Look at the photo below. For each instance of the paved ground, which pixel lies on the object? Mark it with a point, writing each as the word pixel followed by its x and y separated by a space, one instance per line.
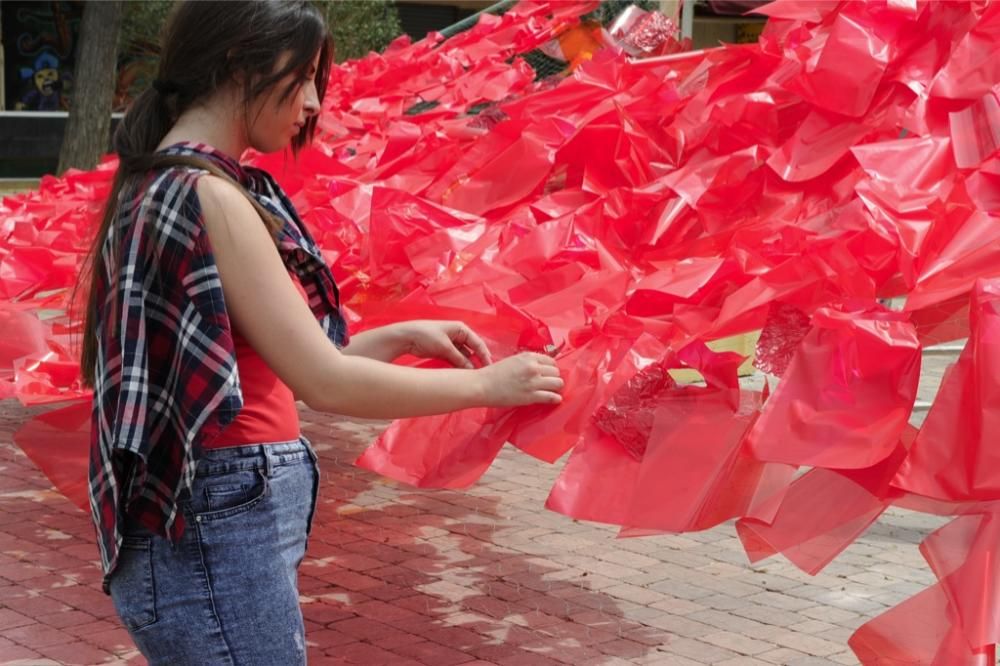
pixel 398 576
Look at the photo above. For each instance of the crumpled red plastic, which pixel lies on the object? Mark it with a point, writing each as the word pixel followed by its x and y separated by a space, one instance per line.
pixel 448 451
pixel 970 71
pixel 961 556
pixel 720 483
pixel 24 335
pixel 548 433
pixel 596 481
pixel 975 130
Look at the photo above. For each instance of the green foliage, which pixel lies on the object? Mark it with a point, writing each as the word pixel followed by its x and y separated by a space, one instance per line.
pixel 360 26
pixel 138 47
pixel 357 27
pixel 142 23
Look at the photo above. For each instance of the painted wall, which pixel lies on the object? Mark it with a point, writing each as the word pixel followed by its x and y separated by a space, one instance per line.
pixel 39 41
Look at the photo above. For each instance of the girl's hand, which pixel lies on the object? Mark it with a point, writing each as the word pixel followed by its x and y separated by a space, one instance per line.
pixel 451 341
pixel 523 379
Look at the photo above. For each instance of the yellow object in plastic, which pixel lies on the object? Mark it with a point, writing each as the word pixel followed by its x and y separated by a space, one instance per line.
pixel 741 344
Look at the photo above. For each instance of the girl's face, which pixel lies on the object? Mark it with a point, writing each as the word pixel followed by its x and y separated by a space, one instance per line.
pixel 276 121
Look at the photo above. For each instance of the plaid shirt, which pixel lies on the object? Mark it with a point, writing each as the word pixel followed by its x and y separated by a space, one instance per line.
pixel 166 375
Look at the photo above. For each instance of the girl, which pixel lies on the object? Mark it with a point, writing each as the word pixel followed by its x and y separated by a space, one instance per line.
pixel 210 312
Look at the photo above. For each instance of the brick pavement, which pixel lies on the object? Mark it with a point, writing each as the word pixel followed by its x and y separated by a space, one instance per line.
pixel 402 576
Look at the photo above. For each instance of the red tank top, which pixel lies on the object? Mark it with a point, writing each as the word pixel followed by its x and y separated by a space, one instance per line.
pixel 269 413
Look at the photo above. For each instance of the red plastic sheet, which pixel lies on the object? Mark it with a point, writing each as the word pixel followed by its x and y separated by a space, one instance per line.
pixel 58 442
pixel 846 395
pixel 548 433
pixel 820 513
pixel 707 487
pixel 596 482
pixel 918 631
pixel 711 483
pixel 628 414
pixel 623 215
pixel 953 457
pixel 954 621
pixel 24 335
pixel 449 451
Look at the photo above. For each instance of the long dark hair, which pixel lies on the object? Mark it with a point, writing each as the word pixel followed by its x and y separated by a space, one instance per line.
pixel 206 44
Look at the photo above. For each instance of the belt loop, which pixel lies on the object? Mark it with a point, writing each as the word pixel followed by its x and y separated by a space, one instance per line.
pixel 309 449
pixel 268 462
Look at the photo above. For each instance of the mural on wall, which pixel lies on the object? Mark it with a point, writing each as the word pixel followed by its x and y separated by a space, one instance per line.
pixel 40 43
pixel 45 91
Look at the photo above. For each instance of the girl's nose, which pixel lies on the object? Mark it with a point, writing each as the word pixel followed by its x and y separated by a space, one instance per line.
pixel 312 99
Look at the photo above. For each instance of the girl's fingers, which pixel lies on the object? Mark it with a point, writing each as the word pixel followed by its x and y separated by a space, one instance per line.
pixel 478 347
pixel 550 384
pixel 547 397
pixel 549 371
pixel 455 356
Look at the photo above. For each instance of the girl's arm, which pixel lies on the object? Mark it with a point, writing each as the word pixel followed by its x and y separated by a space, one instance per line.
pixel 451 341
pixel 385 343
pixel 265 307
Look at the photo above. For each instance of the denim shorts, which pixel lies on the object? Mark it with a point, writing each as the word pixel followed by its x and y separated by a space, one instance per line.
pixel 227 591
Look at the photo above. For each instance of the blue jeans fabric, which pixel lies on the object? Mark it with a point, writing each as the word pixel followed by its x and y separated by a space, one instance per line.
pixel 227 592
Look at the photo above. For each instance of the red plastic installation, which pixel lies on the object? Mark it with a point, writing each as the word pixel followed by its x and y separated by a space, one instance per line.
pixel 621 217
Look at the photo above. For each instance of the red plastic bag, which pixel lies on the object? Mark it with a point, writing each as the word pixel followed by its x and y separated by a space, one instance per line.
pixel 952 622
pixel 821 513
pixel 680 488
pixel 448 451
pixel 846 395
pixel 918 631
